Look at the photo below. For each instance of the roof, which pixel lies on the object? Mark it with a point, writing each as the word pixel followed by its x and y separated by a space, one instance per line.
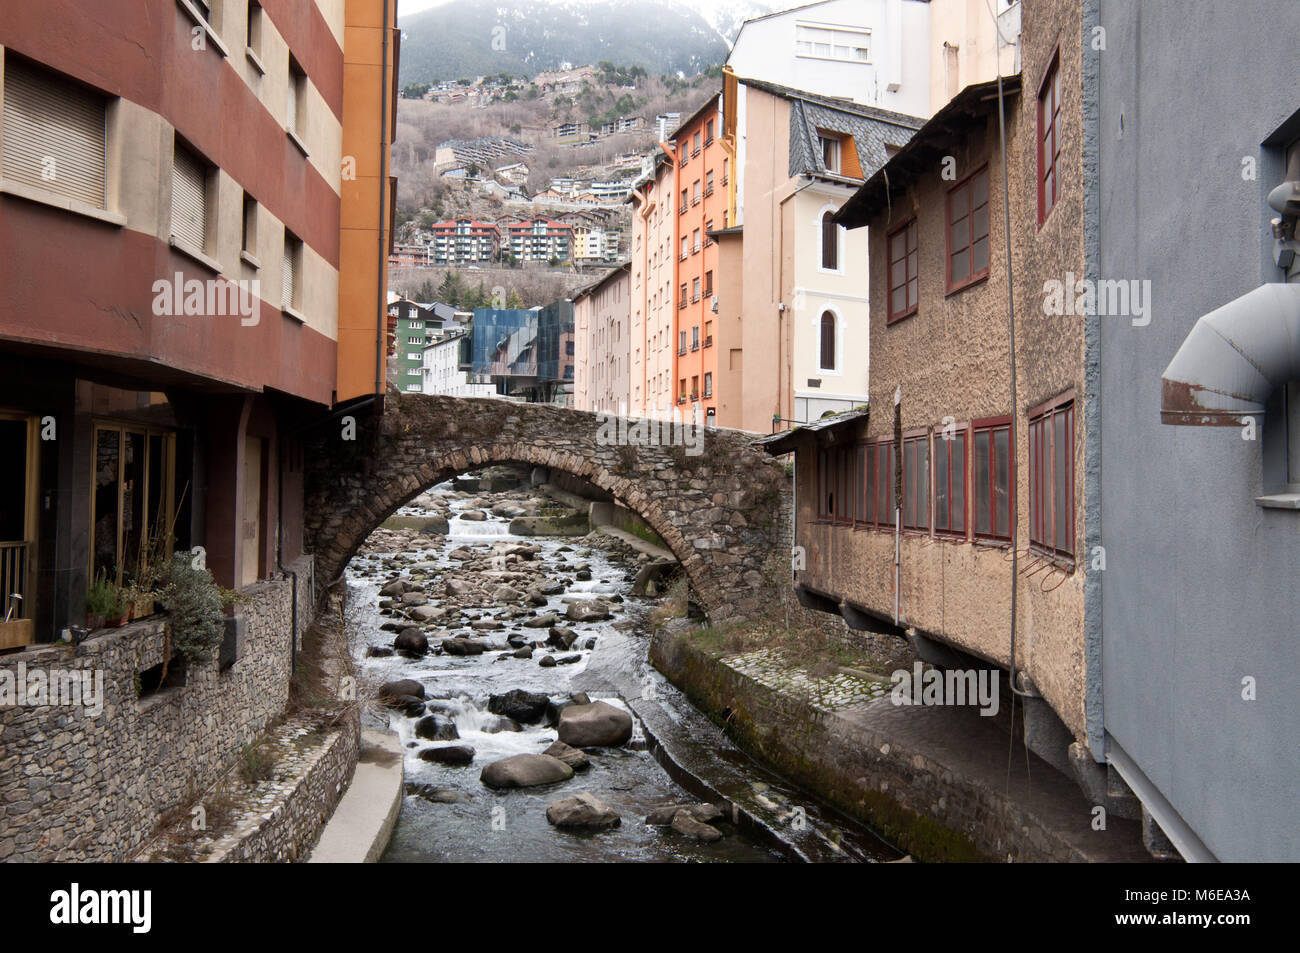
pixel 872 129
pixel 924 150
pixel 601 281
pixel 782 443
pixel 711 101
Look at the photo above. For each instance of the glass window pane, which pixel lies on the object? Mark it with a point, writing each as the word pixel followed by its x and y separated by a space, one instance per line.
pixel 980 221
pixel 960 266
pixel 107 458
pixel 959 234
pixel 980 188
pixel 898 300
pixel 957 483
pixel 13 484
pixel 1061 479
pixel 983 517
pixel 909 483
pixel 959 203
pixel 923 483
pixel 980 256
pixel 941 451
pixel 1002 480
pixel 912 293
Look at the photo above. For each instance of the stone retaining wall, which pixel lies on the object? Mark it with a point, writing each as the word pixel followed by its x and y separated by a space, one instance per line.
pixel 80 785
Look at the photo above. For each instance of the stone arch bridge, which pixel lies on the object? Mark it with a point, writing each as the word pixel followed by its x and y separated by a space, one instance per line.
pixel 722 511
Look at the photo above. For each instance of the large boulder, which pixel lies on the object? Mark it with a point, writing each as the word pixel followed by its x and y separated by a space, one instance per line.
pixel 412 642
pixel 561 636
pixel 463 646
pixel 587 610
pixel 598 725
pixel 390 691
pixel 525 770
pixel 522 706
pixel 704 813
pixel 542 621
pixel 582 812
pixel 433 728
pixel 685 823
pixel 448 754
pixel 573 757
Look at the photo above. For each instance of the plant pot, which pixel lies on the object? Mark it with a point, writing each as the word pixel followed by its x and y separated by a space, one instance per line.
pixel 120 621
pixel 94 622
pixel 142 608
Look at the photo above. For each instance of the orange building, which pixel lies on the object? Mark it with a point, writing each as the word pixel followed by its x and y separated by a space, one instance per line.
pixel 701 162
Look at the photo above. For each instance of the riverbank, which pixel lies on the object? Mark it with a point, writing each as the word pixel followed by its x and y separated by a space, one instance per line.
pixel 942 783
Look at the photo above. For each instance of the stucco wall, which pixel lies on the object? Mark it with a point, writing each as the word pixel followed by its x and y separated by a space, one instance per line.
pixel 1200 588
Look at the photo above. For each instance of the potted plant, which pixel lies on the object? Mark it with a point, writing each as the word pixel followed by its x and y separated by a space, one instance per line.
pixel 120 611
pixel 101 602
pixel 196 609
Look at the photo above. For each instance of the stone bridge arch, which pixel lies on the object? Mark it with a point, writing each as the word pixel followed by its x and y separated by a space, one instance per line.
pixel 721 512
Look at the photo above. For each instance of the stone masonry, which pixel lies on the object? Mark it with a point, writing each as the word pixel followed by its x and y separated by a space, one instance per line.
pixel 720 512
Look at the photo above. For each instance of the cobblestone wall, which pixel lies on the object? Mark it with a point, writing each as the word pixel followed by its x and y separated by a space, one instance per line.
pixel 81 784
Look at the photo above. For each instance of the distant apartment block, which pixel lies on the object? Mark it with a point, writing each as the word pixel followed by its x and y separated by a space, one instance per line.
pixel 602 339
pixel 464 242
pixel 540 240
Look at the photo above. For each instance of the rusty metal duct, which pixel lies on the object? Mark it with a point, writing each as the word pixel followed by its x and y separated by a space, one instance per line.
pixel 1233 358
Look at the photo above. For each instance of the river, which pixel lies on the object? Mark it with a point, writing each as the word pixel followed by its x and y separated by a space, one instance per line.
pixel 448 814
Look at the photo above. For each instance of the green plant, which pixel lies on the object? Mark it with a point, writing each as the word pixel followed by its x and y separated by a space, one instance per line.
pixel 103 599
pixel 257 763
pixel 196 609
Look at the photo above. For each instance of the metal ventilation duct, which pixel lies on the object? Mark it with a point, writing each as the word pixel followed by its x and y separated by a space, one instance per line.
pixel 1233 358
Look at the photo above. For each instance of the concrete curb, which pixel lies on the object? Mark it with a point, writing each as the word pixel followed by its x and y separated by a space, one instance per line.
pixel 362 823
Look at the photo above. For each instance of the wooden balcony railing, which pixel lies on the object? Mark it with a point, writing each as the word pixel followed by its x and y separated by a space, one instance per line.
pixel 16 629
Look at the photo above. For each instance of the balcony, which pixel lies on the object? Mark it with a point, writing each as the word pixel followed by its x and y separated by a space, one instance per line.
pixel 695 345
pixel 708 341
pixel 682 210
pixel 708 191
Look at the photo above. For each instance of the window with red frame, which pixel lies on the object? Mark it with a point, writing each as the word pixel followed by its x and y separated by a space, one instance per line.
pixel 1051 480
pixel 916 482
pixel 882 455
pixel 866 485
pixel 950 483
pixel 968 230
pixel 845 460
pixel 991 481
pixel 903 282
pixel 1049 139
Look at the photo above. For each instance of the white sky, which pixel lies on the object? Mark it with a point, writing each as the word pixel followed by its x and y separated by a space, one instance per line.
pixel 407 7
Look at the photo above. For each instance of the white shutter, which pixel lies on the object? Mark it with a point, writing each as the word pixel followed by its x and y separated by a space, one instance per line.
pixel 53 134
pixel 189 200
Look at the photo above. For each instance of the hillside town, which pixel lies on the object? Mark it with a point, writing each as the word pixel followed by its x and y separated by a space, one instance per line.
pixel 815 456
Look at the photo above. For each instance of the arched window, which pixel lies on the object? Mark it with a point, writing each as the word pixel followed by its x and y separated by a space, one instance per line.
pixel 828 341
pixel 830 243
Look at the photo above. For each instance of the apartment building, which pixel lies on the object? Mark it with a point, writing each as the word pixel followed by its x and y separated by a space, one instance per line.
pixel 592 243
pixel 540 240
pixel 602 336
pixel 653 305
pixel 444 373
pixel 228 288
pixel 870 51
pixel 464 242
pixel 801 306
pixel 703 163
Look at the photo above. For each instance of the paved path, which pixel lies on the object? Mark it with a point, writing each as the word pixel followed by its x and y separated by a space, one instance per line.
pixel 363 821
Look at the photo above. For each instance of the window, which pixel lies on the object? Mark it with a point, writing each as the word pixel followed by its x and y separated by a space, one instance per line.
pixel 883 453
pixel 696 241
pixel 865 497
pixel 726 165
pixel 683 200
pixel 695 145
pixel 695 192
pixel 190 201
pixel 132 499
pixel 991 483
pixel 835 481
pixel 828 341
pixel 708 182
pixel 695 289
pixel 683 304
pixel 253 34
pixel 1049 139
pixel 291 269
pixel 708 384
pixel 708 333
pixel 249 239
pixel 681 341
pixel 968 230
pixel 686 246
pixel 830 150
pixel 695 387
pixel 950 483
pixel 903 282
pixel 695 337
pixel 1051 479
pixel 53 134
pixel 916 482
pixel 830 243
pixel 708 283
pixel 708 132
pixel 832 43
pixel 297 106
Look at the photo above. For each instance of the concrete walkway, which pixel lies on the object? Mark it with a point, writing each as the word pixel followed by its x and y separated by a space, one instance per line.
pixel 363 821
pixel 636 542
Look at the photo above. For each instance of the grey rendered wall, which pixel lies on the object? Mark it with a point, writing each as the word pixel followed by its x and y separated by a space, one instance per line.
pixel 1202 586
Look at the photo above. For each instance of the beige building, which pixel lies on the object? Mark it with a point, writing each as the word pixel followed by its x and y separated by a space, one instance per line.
pixel 602 337
pixel 652 304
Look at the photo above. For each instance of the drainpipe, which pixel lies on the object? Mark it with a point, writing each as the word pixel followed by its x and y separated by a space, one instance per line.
pixel 386 38
pixel 279 555
pixel 1233 358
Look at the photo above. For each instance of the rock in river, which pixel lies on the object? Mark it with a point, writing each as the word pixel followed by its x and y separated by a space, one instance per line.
pixel 390 691
pixel 525 770
pixel 573 757
pixel 587 610
pixel 684 823
pixel 434 728
pixel 526 707
pixel 448 754
pixel 412 641
pixel 584 812
pixel 596 725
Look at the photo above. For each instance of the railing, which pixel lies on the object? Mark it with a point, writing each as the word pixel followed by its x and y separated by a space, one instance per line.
pixel 708 341
pixel 13 580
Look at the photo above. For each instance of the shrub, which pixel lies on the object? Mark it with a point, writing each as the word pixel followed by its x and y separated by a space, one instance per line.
pixel 196 606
